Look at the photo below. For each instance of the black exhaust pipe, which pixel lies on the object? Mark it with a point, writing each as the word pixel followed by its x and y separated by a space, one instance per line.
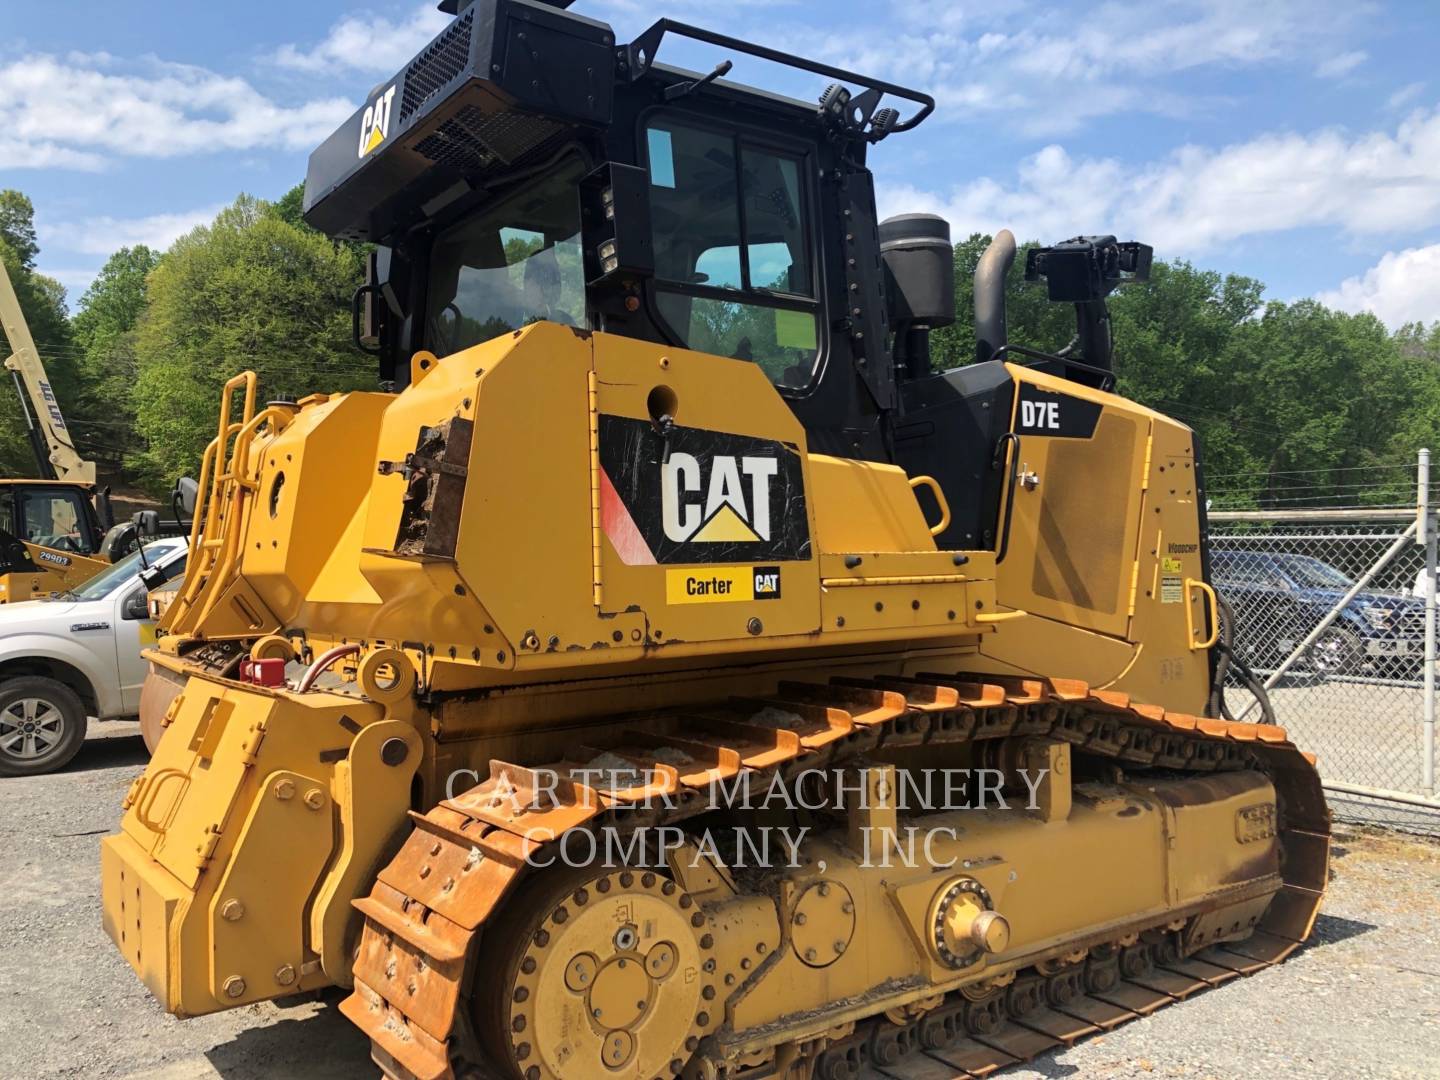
pixel 990 274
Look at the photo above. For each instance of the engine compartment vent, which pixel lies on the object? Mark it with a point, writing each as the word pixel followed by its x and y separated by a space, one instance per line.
pixel 443 60
pixel 473 142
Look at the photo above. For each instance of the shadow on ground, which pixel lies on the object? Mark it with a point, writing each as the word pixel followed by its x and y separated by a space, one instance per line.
pixel 1049 1065
pixel 320 1046
pixel 1333 929
pixel 108 753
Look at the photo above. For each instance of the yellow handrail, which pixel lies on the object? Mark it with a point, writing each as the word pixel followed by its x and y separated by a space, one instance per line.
pixel 201 525
pixel 239 484
pixel 930 482
pixel 1196 646
pixel 212 528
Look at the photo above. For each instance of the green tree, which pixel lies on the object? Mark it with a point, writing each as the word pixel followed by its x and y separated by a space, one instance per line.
pixel 1321 401
pixel 1293 404
pixel 17 226
pixel 251 290
pixel 104 331
pixel 288 208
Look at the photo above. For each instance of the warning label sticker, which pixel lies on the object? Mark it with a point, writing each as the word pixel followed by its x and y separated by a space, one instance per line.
pixel 1170 566
pixel 1172 590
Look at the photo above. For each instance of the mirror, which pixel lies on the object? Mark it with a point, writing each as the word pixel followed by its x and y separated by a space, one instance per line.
pixel 120 541
pixel 185 495
pixel 137 606
pixel 147 522
pixel 104 511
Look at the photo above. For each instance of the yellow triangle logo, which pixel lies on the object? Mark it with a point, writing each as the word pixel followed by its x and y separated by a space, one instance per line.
pixel 376 138
pixel 725 526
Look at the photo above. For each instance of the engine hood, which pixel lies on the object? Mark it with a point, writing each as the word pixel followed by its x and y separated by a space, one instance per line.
pixel 46 616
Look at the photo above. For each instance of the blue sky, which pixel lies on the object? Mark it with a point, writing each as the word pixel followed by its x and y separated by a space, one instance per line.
pixel 1294 140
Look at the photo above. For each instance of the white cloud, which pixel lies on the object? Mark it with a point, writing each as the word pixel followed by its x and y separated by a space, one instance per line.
pixel 1402 287
pixel 1055 66
pixel 1342 64
pixel 1405 95
pixel 367 42
pixel 1198 198
pixel 17 153
pixel 104 235
pixel 78 111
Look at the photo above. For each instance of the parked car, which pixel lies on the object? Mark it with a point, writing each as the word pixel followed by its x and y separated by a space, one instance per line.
pixel 75 655
pixel 1280 598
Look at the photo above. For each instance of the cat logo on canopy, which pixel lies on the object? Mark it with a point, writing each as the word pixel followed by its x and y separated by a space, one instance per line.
pixel 700 496
pixel 375 123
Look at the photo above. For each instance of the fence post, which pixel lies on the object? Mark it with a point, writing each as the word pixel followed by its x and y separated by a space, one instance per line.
pixel 1426 532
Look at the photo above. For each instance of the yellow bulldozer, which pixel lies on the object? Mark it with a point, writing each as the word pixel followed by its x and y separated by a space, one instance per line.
pixel 667 673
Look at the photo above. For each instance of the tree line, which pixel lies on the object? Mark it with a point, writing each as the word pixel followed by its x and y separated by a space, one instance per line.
pixel 138 368
pixel 1294 403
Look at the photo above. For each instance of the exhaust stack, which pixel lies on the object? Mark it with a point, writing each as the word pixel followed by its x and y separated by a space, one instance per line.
pixel 990 274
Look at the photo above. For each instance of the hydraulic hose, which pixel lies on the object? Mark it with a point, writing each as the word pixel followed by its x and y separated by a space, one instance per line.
pixel 1227 659
pixel 323 661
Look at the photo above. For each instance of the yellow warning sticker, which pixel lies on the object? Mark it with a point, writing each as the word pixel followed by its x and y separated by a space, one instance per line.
pixel 1170 566
pixel 794 329
pixel 721 585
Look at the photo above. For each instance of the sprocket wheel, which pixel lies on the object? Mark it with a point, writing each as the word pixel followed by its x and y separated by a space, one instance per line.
pixel 610 977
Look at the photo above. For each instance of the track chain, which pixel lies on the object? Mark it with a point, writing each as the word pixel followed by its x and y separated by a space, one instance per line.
pixel 425 912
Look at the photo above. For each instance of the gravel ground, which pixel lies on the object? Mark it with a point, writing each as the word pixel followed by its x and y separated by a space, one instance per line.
pixel 1362 1000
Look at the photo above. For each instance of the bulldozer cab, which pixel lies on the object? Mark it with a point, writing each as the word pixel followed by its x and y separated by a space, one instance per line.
pixel 526 166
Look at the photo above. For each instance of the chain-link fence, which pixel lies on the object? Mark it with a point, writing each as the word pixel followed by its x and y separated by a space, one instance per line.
pixel 1328 611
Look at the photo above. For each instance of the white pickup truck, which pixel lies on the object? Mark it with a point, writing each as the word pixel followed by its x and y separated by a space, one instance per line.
pixel 76 655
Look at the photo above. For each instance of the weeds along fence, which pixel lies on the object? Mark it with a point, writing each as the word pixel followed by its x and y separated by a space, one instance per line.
pixel 1334 612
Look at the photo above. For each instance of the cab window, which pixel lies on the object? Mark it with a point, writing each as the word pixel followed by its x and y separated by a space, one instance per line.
pixel 734 274
pixel 510 265
pixel 7 514
pixel 56 520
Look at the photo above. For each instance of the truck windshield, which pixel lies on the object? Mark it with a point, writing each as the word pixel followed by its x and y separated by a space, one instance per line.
pixel 124 571
pixel 509 265
pixel 1313 574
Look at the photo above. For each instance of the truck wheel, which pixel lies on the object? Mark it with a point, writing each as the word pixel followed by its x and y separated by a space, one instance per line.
pixel 42 726
pixel 1338 651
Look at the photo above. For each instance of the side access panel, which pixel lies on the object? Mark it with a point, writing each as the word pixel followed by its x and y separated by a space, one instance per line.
pixel 710 528
pixel 1075 520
